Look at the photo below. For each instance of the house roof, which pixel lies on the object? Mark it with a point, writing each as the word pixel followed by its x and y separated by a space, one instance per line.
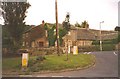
pixel 92 34
pixel 36 32
pixel 104 34
pixel 85 34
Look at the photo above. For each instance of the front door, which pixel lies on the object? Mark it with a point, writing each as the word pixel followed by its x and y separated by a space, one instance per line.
pixel 41 44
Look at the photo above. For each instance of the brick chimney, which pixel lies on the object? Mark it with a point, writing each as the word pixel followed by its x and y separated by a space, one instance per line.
pixel 43 23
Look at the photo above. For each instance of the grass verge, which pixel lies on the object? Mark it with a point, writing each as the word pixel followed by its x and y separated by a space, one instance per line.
pixel 52 63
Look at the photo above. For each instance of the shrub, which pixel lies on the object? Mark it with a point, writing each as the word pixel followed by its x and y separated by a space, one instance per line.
pixel 40 58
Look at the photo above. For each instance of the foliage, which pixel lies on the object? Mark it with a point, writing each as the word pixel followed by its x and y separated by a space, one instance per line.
pixel 40 58
pixel 62 32
pixel 83 25
pixel 51 36
pixel 111 41
pixel 118 36
pixel 117 28
pixel 106 47
pixel 66 25
pixel 14 17
pixel 46 26
pixel 77 25
pixel 6 40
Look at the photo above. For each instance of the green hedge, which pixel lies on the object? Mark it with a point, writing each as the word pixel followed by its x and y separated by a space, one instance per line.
pixel 112 41
pixel 106 47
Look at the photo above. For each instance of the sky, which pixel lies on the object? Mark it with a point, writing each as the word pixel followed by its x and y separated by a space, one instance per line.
pixel 93 11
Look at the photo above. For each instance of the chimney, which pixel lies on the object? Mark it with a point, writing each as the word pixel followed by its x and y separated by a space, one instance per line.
pixel 43 23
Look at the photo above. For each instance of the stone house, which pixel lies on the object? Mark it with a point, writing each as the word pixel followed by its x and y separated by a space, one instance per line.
pixel 85 36
pixel 79 37
pixel 35 37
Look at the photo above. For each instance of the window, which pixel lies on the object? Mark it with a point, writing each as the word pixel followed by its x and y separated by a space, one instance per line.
pixel 23 44
pixel 26 34
pixel 69 33
pixel 23 36
pixel 40 44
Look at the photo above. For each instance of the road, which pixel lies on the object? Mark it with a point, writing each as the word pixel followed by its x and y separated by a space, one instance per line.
pixel 106 66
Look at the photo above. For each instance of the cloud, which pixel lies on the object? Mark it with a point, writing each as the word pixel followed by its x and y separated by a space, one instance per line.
pixel 93 11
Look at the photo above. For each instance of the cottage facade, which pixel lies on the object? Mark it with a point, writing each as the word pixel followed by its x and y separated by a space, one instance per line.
pixel 79 37
pixel 36 37
pixel 85 36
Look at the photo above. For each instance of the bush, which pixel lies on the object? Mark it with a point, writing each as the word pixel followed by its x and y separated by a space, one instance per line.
pixel 106 47
pixel 112 41
pixel 40 58
pixel 38 53
pixel 45 51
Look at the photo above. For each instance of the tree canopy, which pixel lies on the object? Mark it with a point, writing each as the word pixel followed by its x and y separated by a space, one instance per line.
pixel 117 28
pixel 15 13
pixel 84 24
pixel 66 23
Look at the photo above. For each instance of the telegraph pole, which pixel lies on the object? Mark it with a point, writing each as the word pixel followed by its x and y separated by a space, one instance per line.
pixel 57 34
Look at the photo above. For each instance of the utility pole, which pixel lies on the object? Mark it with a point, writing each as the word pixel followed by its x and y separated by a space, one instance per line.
pixel 57 31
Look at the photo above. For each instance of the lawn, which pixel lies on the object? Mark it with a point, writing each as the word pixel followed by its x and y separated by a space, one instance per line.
pixel 51 63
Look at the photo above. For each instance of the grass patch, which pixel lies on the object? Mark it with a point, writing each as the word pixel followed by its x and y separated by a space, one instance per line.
pixel 11 64
pixel 52 62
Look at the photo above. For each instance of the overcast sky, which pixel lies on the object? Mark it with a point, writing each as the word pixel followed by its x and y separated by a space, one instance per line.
pixel 93 11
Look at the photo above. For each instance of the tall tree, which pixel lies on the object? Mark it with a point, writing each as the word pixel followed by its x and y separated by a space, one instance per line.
pixel 85 24
pixel 77 25
pixel 62 33
pixel 51 36
pixel 66 23
pixel 119 37
pixel 15 13
pixel 117 28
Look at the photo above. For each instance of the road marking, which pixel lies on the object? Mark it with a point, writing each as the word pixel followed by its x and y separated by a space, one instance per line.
pixel 85 52
pixel 88 52
pixel 41 76
pixel 57 76
pixel 25 75
pixel 115 53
